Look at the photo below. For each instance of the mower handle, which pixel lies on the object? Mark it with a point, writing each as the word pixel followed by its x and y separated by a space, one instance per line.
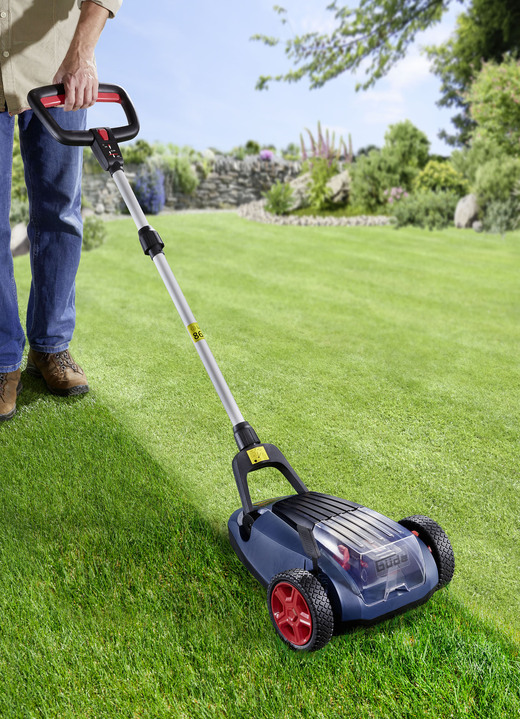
pixel 42 98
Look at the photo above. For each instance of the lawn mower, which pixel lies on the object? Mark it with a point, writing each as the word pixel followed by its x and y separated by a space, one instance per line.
pixel 327 563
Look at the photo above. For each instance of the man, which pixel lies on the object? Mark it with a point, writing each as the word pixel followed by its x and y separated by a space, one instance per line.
pixel 44 42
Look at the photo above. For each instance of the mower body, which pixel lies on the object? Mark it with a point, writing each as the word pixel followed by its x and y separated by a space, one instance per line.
pixel 370 566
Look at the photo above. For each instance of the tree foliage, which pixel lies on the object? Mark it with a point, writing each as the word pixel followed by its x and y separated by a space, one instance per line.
pixel 377 32
pixel 488 30
pixel 494 104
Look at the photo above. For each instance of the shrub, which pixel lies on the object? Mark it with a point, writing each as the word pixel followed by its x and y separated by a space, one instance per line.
pixel 252 147
pixel 279 198
pixel 441 176
pixel 179 175
pixel 94 233
pixel 494 103
pixel 433 210
pixel 394 194
pixel 18 188
pixel 407 144
pixel 372 174
pixel 291 152
pixel 468 161
pixel 149 189
pixel 19 211
pixel 321 170
pixel 502 216
pixel 495 180
pixel 137 153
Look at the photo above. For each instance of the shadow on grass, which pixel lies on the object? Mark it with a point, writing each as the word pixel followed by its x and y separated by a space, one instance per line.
pixel 118 598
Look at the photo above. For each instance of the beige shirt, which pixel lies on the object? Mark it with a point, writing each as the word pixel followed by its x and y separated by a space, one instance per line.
pixel 34 38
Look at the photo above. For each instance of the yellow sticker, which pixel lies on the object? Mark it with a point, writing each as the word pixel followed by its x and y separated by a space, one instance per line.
pixel 257 454
pixel 195 332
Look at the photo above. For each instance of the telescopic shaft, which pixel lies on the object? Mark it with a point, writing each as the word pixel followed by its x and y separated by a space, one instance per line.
pixel 178 298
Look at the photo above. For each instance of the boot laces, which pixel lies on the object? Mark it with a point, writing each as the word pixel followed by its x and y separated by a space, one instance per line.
pixel 64 359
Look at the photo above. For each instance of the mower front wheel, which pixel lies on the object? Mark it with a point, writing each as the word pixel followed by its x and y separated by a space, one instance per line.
pixel 300 610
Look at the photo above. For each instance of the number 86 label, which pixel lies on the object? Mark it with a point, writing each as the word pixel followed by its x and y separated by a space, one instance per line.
pixel 195 332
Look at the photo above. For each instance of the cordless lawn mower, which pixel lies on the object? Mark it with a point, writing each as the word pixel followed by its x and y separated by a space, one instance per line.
pixel 327 563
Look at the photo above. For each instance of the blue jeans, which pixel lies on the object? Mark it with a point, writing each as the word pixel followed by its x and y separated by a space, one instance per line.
pixel 53 179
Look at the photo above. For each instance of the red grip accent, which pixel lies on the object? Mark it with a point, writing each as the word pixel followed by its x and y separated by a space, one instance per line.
pixel 58 100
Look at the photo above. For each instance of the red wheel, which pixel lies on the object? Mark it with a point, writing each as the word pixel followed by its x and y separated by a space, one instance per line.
pixel 300 610
pixel 291 614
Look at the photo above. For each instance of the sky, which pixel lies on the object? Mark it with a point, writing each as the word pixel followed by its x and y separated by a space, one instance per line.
pixel 191 69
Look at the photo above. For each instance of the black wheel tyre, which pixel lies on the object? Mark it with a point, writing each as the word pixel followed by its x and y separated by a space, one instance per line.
pixel 300 610
pixel 436 540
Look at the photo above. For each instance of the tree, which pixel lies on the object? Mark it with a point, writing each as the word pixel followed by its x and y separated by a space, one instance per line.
pixel 409 145
pixel 487 31
pixel 494 105
pixel 378 31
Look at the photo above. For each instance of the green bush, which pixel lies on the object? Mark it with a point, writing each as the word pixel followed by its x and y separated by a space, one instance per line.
pixel 409 145
pixel 432 210
pixel 279 198
pixel 18 188
pixel 494 103
pixel 319 194
pixel 179 175
pixel 468 161
pixel 252 147
pixel 502 216
pixel 137 153
pixel 372 174
pixel 19 211
pixel 441 176
pixel 94 233
pixel 496 179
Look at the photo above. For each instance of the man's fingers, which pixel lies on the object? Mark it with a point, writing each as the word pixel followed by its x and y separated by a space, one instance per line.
pixel 80 92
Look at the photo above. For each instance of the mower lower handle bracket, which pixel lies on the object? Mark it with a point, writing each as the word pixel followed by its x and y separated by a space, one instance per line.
pixel 258 457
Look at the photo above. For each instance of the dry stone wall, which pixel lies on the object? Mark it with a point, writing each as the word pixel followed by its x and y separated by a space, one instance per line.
pixel 230 183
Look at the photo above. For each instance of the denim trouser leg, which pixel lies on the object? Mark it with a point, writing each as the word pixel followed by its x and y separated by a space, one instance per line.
pixel 12 338
pixel 53 179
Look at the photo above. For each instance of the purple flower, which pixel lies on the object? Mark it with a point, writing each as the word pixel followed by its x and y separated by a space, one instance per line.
pixel 266 155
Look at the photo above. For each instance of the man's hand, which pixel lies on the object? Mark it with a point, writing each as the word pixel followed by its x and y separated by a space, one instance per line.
pixel 80 81
pixel 78 70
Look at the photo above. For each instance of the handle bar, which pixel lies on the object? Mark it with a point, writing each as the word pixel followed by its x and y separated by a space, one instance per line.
pixel 42 98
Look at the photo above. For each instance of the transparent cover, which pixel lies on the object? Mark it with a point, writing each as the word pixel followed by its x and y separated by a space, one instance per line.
pixel 377 570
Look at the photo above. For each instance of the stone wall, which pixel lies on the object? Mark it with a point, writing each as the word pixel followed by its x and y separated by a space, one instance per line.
pixel 230 183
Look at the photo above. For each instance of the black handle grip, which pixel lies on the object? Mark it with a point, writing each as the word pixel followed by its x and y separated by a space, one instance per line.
pixel 42 98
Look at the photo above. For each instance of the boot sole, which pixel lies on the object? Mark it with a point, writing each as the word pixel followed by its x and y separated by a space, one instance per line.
pixel 71 392
pixel 11 414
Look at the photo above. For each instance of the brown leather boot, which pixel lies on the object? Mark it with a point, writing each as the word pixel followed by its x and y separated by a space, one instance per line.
pixel 10 388
pixel 61 374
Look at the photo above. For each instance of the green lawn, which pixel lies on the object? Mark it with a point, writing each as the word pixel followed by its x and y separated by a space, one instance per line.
pixel 383 363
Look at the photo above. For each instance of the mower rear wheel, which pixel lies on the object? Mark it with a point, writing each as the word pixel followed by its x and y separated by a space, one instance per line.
pixel 300 610
pixel 438 543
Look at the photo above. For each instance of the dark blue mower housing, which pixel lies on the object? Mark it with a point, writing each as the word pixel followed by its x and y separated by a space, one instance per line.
pixel 329 563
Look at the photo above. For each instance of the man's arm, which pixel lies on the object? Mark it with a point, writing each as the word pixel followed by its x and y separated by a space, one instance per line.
pixel 78 70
